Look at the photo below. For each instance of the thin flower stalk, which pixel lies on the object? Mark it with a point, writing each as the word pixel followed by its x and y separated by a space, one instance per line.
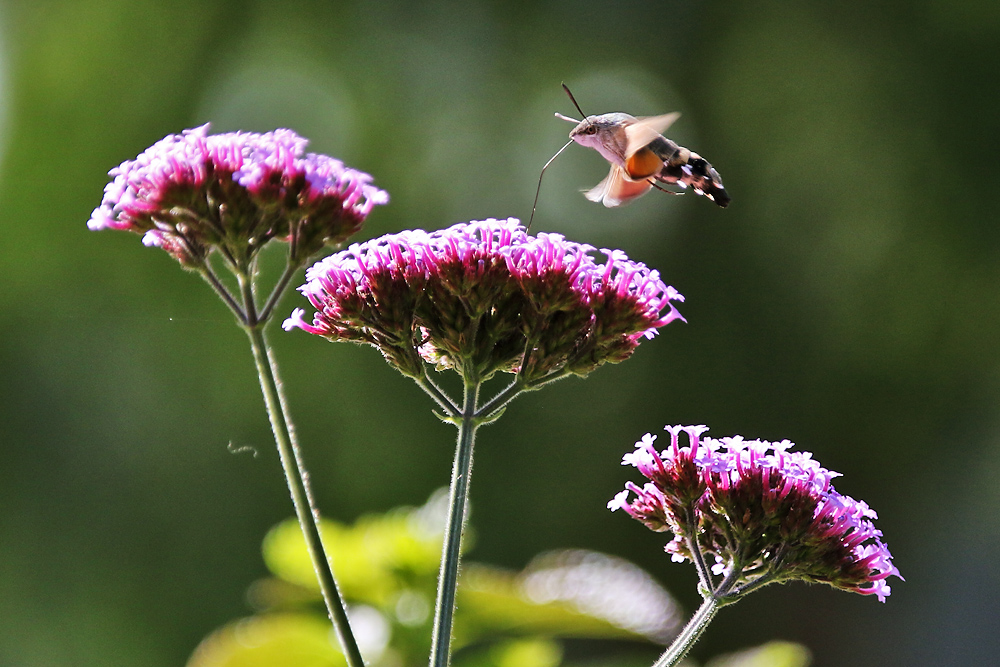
pixel 691 633
pixel 297 478
pixel 461 473
pixel 199 196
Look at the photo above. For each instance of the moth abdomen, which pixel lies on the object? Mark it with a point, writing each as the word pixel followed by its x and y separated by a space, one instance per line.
pixel 683 166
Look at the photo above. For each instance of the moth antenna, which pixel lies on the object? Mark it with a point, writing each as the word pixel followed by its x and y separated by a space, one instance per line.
pixel 539 188
pixel 572 120
pixel 573 99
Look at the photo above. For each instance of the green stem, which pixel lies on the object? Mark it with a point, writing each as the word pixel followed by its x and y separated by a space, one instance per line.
pixel 249 302
pixel 760 582
pixel 704 574
pixel 435 392
pixel 769 577
pixel 206 272
pixel 451 551
pixel 725 588
pixel 549 379
pixel 502 399
pixel 302 498
pixel 691 632
pixel 279 289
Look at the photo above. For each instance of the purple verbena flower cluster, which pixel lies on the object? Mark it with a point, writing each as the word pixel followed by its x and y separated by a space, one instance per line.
pixel 482 297
pixel 193 192
pixel 761 511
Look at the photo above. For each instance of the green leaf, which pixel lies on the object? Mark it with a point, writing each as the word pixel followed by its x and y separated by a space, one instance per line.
pixel 390 562
pixel 373 559
pixel 772 654
pixel 272 640
pixel 492 602
pixel 513 653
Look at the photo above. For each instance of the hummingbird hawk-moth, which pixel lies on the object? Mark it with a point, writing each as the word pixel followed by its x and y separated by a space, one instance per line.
pixel 640 157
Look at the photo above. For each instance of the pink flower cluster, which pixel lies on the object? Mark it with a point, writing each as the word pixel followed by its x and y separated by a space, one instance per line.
pixel 193 192
pixel 759 510
pixel 482 297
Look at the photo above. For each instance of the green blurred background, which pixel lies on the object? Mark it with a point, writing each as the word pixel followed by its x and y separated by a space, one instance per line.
pixel 846 300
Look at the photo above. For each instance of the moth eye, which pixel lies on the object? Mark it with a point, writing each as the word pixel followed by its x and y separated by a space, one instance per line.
pixel 590 129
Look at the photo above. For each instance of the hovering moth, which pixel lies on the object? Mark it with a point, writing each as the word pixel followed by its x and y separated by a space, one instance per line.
pixel 640 157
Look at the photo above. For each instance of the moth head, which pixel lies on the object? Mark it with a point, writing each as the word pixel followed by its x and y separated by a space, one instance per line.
pixel 595 131
pixel 584 130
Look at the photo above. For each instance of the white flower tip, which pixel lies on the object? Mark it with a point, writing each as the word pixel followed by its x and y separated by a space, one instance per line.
pixel 619 501
pixel 95 224
pixel 696 430
pixel 294 320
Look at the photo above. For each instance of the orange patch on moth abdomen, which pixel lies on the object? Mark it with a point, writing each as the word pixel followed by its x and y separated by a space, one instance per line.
pixel 643 164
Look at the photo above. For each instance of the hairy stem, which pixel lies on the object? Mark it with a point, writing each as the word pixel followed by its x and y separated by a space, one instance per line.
pixel 725 588
pixel 691 537
pixel 691 632
pixel 249 301
pixel 440 397
pixel 549 379
pixel 206 272
pixel 502 399
pixel 451 551
pixel 298 486
pixel 279 289
pixel 769 578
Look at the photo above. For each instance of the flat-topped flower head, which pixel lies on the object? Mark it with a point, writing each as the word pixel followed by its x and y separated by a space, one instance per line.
pixel 763 513
pixel 194 192
pixel 483 297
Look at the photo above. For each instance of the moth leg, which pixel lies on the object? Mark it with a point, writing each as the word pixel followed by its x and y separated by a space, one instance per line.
pixel 663 189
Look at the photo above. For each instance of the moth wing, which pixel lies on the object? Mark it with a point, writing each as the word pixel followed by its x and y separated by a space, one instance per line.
pixel 596 193
pixel 644 130
pixel 616 189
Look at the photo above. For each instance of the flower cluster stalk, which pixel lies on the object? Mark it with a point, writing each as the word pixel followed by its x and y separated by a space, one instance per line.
pixel 467 419
pixel 289 452
pixel 253 321
pixel 451 550
pixel 298 486
pixel 691 633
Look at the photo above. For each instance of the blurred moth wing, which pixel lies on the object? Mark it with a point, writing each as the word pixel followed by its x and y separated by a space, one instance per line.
pixel 617 188
pixel 643 131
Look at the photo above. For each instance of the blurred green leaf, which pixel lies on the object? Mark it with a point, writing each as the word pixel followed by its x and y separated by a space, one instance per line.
pixel 491 601
pixel 375 558
pixel 272 640
pixel 387 568
pixel 772 654
pixel 514 653
pixel 390 561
